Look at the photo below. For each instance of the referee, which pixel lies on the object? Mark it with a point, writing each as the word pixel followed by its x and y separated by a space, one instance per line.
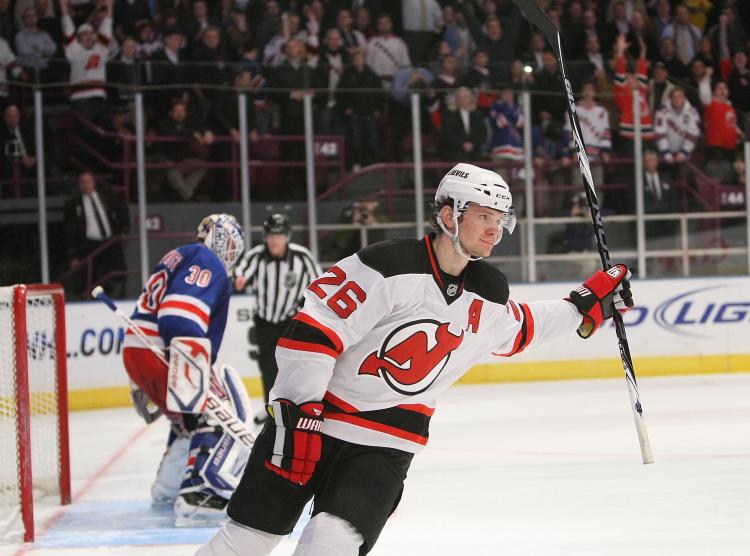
pixel 276 274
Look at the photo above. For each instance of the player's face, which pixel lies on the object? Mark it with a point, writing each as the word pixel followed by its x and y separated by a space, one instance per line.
pixel 480 228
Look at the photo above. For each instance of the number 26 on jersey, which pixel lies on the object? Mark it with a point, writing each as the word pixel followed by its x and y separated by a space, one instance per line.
pixel 344 299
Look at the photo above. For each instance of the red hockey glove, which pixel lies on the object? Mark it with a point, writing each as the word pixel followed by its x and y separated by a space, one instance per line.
pixel 297 445
pixel 599 294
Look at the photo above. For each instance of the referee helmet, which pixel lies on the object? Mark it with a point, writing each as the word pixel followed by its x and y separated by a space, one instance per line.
pixel 277 224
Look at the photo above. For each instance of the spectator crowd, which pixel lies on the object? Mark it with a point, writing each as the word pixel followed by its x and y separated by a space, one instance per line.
pixel 470 59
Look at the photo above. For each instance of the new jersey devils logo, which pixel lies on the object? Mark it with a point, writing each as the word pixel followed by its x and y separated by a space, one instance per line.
pixel 413 356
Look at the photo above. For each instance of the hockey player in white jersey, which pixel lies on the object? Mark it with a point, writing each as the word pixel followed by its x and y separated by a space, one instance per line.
pixel 380 336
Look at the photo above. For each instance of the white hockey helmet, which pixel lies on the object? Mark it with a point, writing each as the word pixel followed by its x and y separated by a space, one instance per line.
pixel 223 235
pixel 466 183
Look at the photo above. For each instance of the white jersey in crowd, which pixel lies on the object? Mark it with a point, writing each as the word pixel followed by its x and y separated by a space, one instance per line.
pixel 595 129
pixel 677 132
pixel 88 67
pixel 7 62
pixel 387 54
pixel 384 332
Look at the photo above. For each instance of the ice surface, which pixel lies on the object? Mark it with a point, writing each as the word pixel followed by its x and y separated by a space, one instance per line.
pixel 516 469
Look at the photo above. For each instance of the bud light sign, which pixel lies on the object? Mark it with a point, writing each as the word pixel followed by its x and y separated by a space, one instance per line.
pixel 701 312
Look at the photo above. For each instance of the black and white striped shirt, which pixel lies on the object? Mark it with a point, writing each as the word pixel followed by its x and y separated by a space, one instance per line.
pixel 277 284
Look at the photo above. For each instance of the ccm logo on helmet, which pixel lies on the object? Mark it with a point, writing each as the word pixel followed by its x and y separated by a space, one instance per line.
pixel 459 173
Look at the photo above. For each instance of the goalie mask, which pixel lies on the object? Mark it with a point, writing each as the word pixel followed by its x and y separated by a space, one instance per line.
pixel 222 234
pixel 465 184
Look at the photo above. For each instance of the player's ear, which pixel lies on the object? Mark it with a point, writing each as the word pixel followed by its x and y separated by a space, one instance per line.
pixel 446 215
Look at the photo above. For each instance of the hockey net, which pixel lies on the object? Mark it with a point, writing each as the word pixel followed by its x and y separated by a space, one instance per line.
pixel 33 404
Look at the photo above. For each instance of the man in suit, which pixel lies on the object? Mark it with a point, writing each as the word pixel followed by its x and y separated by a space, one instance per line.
pixel 659 196
pixel 92 218
pixel 17 144
pixel 463 131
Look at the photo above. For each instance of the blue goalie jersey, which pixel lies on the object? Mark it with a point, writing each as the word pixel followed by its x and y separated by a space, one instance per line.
pixel 187 294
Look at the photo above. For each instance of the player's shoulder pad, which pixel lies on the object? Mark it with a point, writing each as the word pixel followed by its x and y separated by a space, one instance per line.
pixel 395 257
pixel 487 282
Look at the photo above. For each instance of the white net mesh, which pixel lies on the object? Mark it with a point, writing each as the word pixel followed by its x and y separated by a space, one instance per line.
pixel 40 315
pixel 10 505
pixel 45 449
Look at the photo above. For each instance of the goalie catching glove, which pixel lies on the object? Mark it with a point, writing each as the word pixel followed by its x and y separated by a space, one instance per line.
pixel 599 294
pixel 297 442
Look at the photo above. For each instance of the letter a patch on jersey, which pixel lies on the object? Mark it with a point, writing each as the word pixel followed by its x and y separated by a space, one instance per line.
pixel 413 356
pixel 475 312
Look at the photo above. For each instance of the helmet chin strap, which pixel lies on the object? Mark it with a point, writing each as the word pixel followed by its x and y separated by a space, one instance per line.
pixel 454 236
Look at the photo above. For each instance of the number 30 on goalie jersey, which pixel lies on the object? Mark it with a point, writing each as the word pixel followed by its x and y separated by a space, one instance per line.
pixel 187 294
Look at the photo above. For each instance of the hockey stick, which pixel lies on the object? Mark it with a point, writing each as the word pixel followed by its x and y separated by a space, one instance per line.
pixel 536 16
pixel 216 408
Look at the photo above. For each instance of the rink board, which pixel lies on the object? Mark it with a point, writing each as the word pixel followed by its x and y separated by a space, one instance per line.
pixel 680 326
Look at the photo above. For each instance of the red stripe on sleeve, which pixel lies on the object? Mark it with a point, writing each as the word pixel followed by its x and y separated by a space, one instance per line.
pixel 520 343
pixel 185 307
pixel 514 307
pixel 330 334
pixel 528 321
pixel 306 346
pixel 146 331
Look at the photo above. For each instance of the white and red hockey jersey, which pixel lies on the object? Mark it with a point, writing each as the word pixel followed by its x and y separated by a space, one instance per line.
pixel 88 66
pixel 386 55
pixel 677 132
pixel 385 331
pixel 597 135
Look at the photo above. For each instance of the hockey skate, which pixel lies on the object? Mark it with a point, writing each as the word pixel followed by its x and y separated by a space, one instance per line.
pixel 199 509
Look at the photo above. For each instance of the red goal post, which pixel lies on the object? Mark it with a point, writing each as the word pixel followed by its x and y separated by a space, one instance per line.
pixel 33 403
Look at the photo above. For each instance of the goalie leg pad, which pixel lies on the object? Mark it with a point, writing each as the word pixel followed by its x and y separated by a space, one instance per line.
pixel 166 486
pixel 216 460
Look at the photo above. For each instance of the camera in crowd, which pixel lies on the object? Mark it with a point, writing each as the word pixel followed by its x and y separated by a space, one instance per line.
pixel 362 213
pixel 13 149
